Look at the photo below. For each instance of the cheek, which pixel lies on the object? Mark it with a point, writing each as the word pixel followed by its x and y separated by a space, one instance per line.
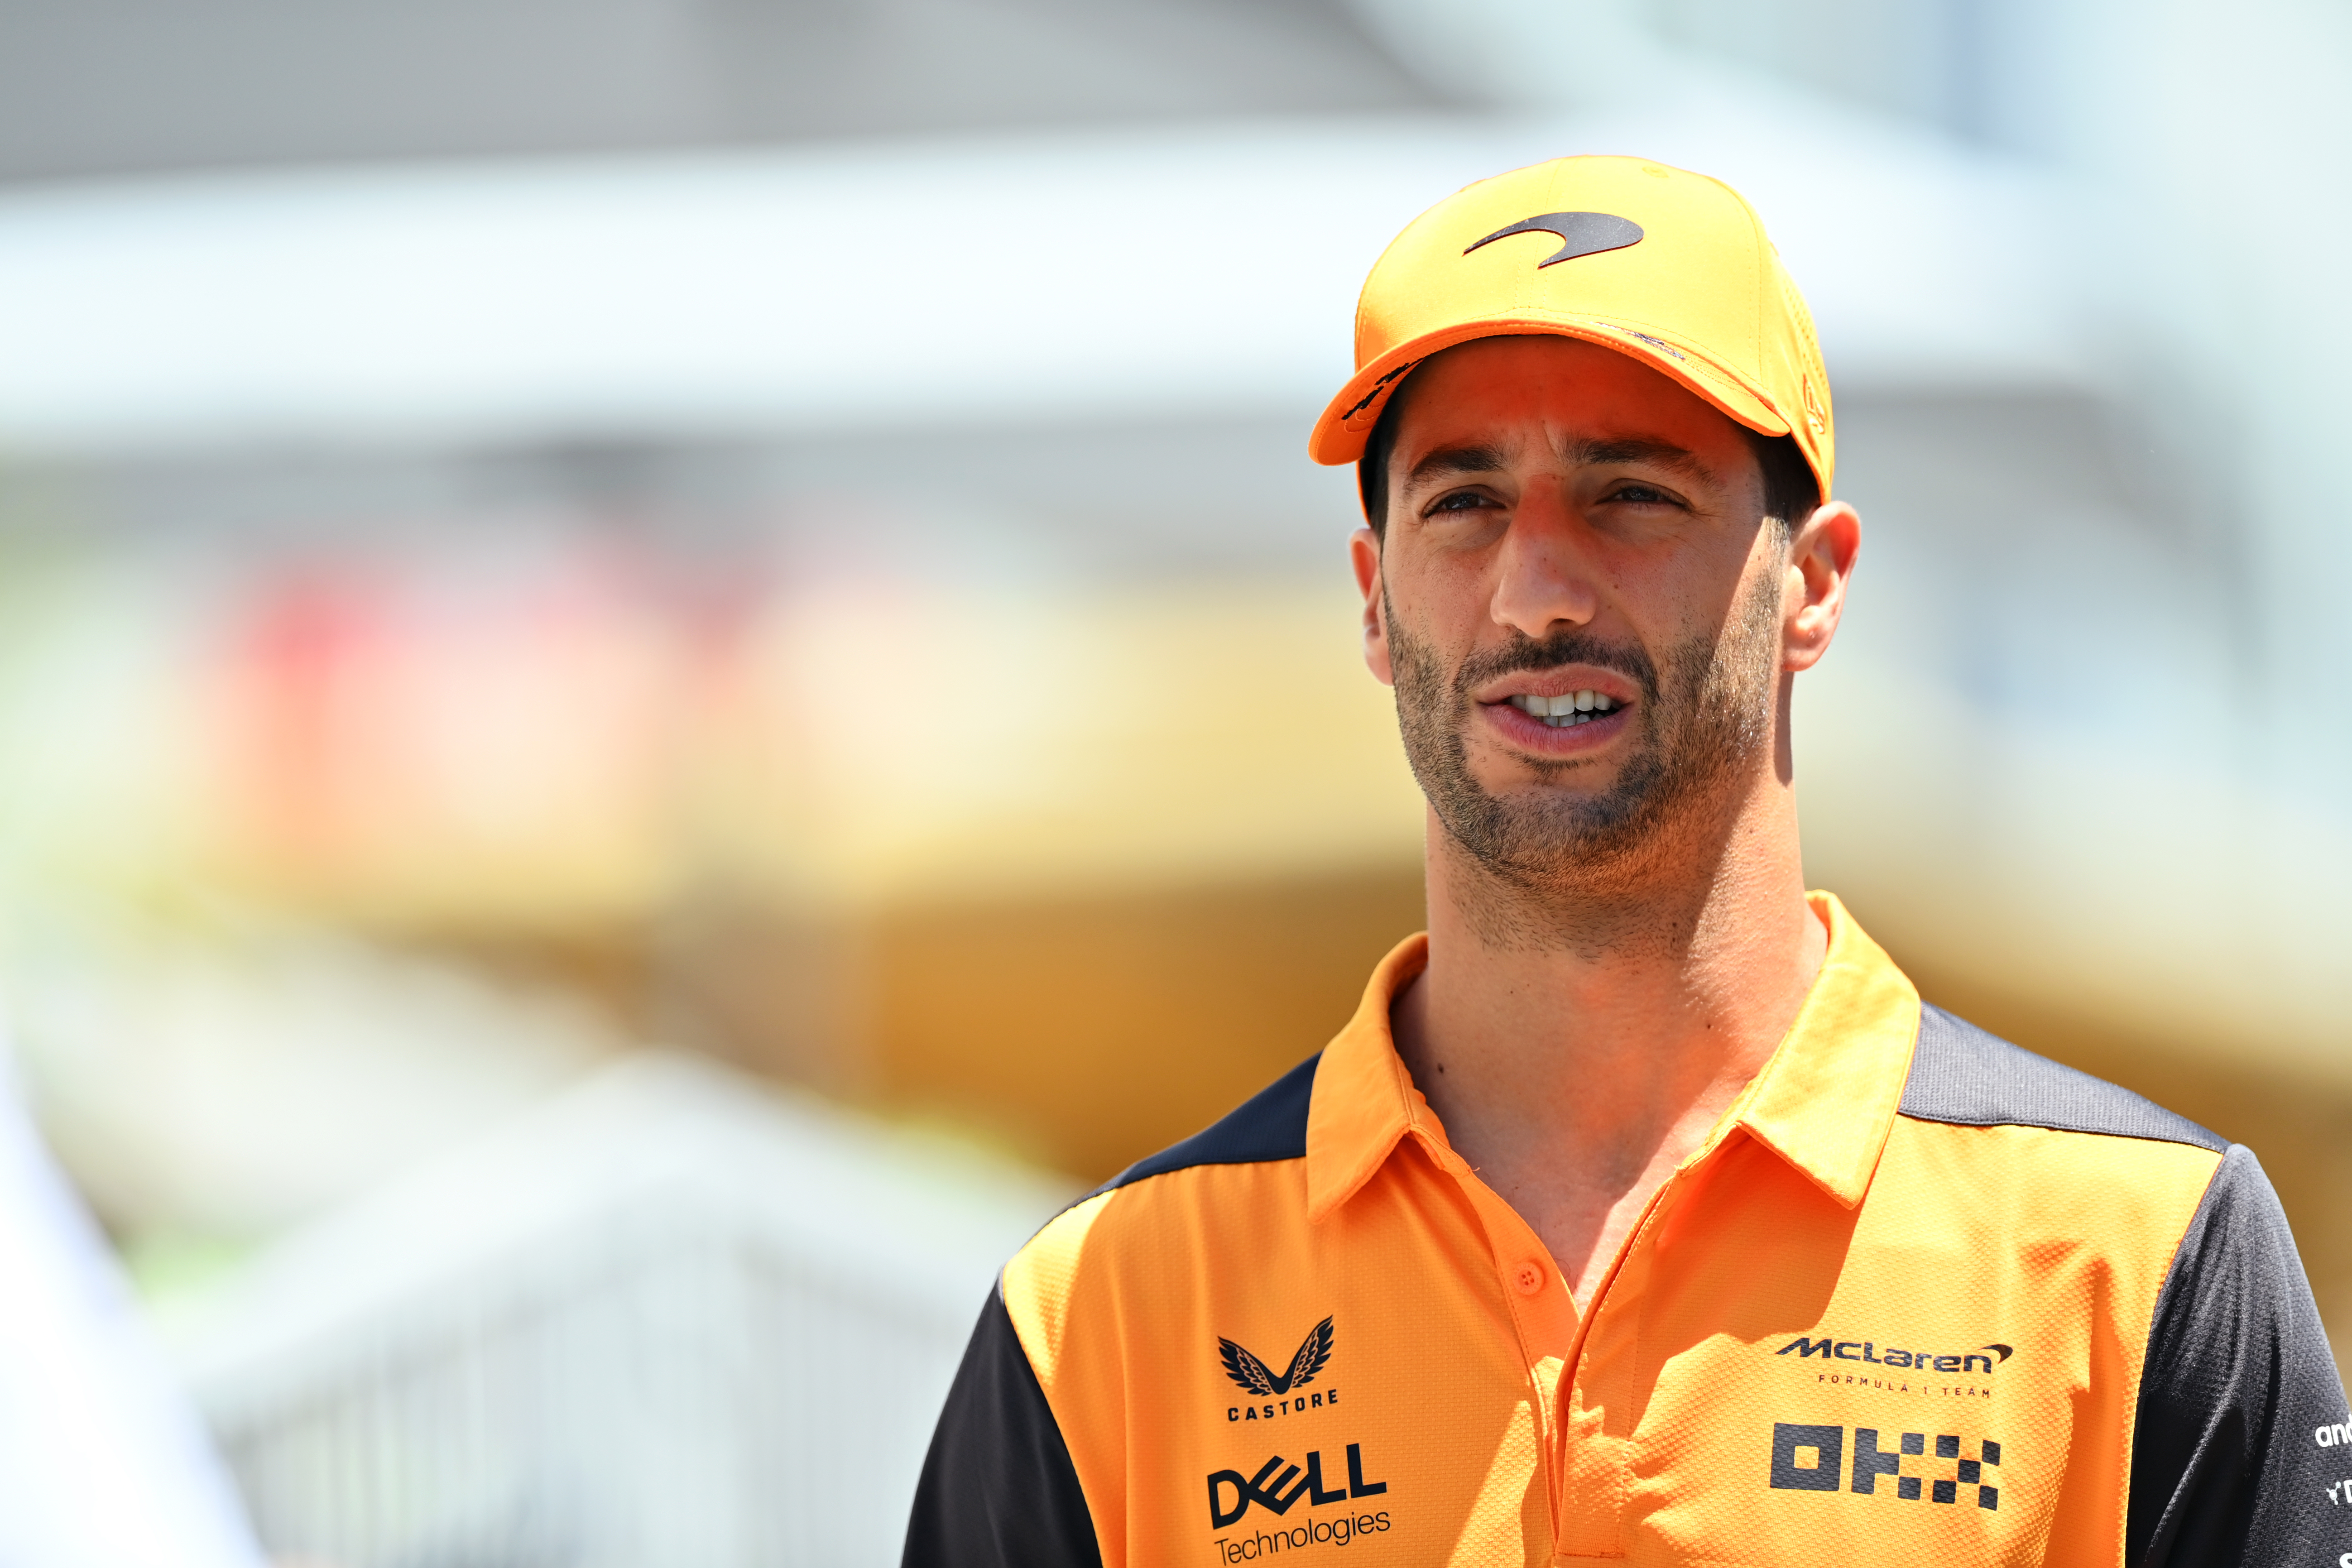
pixel 1691 594
pixel 1431 598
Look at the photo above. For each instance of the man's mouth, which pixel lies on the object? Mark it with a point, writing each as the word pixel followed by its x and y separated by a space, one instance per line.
pixel 1568 708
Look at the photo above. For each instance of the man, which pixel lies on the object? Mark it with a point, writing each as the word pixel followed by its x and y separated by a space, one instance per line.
pixel 1643 1213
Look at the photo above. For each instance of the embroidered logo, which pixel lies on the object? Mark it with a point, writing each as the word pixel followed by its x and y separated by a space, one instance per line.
pixel 1811 1458
pixel 1581 234
pixel 1277 1493
pixel 1827 1348
pixel 1258 1378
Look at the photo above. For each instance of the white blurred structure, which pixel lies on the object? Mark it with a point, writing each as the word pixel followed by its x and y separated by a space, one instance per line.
pixel 2063 647
pixel 667 1318
pixel 1005 282
pixel 101 1463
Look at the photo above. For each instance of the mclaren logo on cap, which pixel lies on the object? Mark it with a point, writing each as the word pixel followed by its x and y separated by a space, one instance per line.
pixel 1581 234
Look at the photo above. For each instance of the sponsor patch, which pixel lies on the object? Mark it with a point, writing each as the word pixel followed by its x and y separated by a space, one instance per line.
pixel 1811 1458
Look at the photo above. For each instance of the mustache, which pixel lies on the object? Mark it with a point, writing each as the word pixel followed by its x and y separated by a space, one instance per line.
pixel 1529 654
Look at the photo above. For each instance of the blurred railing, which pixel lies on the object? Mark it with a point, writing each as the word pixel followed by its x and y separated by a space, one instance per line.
pixel 677 1373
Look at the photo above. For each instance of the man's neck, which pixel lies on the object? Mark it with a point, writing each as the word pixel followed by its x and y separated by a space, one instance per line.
pixel 1575 1074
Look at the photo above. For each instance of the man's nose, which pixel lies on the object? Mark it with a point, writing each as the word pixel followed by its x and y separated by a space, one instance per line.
pixel 1544 570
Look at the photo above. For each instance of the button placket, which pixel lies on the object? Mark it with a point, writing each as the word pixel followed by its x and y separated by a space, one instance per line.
pixel 1591 1461
pixel 1542 1313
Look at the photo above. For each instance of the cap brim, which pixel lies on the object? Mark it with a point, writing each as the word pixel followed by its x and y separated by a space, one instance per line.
pixel 1347 424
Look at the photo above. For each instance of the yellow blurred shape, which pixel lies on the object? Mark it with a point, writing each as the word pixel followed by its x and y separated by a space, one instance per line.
pixel 917 745
pixel 854 746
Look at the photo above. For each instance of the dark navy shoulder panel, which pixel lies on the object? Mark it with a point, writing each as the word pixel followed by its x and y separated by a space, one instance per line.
pixel 1270 1125
pixel 2236 1382
pixel 1963 1076
pixel 998 1488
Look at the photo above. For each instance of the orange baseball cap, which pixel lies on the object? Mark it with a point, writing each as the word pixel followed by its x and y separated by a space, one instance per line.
pixel 1667 265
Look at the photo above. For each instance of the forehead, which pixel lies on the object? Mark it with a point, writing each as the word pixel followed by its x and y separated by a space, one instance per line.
pixel 1500 389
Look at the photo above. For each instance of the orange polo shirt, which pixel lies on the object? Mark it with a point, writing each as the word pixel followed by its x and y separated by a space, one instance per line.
pixel 1919 1297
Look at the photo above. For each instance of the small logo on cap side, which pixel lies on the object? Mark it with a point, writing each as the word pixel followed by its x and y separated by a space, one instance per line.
pixel 1581 233
pixel 1658 344
pixel 1378 387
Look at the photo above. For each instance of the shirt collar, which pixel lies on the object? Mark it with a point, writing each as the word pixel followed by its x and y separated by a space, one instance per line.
pixel 1824 1101
pixel 1363 1100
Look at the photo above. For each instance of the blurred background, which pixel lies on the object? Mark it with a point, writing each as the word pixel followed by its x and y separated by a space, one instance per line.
pixel 667 664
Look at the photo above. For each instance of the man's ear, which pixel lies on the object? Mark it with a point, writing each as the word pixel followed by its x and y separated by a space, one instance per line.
pixel 1820 562
pixel 1364 556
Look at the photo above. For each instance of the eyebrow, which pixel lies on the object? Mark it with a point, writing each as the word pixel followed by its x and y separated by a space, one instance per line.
pixel 1480 457
pixel 1635 449
pixel 1473 458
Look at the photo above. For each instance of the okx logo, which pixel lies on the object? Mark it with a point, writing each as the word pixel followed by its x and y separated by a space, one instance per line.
pixel 1812 1460
pixel 1279 1493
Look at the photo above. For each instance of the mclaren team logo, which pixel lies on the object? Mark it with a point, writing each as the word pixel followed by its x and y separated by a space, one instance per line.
pixel 1830 1347
pixel 1580 234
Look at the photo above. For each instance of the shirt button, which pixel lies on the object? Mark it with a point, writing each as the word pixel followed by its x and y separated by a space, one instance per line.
pixel 1529 1278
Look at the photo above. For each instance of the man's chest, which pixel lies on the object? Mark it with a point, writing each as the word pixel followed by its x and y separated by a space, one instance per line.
pixel 1770 1379
pixel 1415 1429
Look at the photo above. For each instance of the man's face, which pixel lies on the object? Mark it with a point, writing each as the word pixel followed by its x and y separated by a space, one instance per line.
pixel 1564 520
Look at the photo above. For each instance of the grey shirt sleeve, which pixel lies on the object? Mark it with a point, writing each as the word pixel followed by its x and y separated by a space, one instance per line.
pixel 2241 1449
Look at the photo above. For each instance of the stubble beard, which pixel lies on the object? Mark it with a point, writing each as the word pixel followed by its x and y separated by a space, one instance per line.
pixel 1544 866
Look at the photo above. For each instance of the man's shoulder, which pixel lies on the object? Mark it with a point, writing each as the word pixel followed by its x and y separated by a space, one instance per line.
pixel 1967 1076
pixel 1270 1126
pixel 1233 1191
pixel 1998 1145
pixel 1238 1161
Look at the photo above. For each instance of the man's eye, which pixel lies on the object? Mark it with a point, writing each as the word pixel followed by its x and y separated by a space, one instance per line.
pixel 1643 494
pixel 1461 500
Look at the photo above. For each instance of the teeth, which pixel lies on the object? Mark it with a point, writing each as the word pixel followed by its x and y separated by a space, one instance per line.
pixel 1565 711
